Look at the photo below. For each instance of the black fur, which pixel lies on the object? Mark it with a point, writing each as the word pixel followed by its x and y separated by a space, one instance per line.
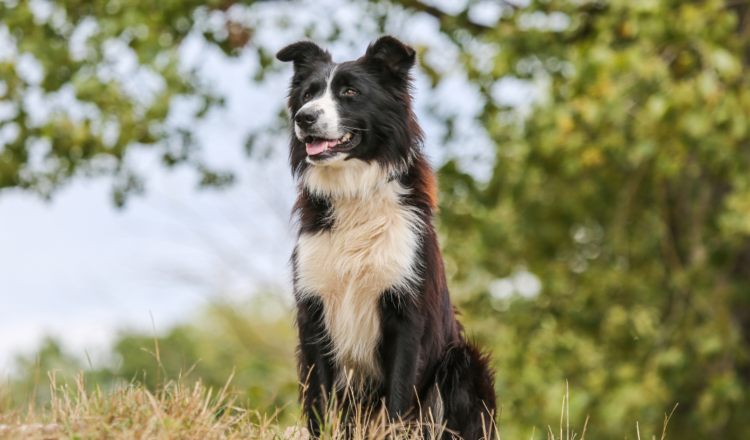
pixel 316 366
pixel 421 342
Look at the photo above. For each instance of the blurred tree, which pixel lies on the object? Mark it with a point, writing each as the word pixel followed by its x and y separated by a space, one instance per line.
pixel 625 190
pixel 66 109
pixel 33 373
pixel 255 339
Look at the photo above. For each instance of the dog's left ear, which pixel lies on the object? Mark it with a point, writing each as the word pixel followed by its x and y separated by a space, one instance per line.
pixel 391 56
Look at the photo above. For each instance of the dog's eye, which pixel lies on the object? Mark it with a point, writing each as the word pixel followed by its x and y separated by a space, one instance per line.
pixel 349 92
pixel 307 96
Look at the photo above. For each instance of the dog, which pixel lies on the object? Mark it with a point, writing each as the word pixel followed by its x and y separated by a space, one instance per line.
pixel 373 309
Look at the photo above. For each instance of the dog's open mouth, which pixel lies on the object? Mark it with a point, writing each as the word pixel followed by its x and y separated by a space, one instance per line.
pixel 320 148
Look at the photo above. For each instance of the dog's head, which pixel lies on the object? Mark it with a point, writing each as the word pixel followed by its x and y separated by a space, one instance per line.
pixel 353 110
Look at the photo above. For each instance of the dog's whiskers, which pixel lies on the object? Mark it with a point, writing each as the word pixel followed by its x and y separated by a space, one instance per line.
pixel 355 128
pixel 352 128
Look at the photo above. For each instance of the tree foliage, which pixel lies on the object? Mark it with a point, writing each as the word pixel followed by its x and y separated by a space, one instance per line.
pixel 250 340
pixel 90 81
pixel 248 345
pixel 625 192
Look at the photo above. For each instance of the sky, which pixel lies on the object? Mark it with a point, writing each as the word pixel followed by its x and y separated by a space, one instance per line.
pixel 80 270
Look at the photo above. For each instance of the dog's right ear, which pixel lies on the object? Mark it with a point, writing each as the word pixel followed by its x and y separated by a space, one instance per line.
pixel 389 55
pixel 303 54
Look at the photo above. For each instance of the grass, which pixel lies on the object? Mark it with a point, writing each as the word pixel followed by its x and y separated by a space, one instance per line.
pixel 191 412
pixel 131 411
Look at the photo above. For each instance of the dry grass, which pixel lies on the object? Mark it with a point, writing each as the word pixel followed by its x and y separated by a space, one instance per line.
pixel 132 412
pixel 179 411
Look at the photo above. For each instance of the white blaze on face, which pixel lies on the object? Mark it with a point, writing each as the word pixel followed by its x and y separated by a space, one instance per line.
pixel 327 126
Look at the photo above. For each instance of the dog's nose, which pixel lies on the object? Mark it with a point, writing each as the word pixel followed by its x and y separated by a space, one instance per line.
pixel 305 118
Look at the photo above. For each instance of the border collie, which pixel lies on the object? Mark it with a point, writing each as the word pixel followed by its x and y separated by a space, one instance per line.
pixel 373 310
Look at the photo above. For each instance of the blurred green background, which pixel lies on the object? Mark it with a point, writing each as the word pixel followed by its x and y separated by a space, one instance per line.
pixel 609 246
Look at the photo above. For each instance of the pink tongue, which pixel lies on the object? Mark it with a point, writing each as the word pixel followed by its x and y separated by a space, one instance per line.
pixel 318 146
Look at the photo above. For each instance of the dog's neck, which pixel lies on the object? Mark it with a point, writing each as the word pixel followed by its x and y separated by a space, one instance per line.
pixel 347 180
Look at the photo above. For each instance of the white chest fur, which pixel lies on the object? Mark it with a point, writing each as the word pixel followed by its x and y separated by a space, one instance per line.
pixel 371 247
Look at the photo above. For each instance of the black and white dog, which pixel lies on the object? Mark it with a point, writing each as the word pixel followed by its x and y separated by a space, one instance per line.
pixel 373 309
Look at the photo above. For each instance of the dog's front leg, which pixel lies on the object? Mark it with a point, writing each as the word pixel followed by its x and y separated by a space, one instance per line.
pixel 315 364
pixel 402 327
